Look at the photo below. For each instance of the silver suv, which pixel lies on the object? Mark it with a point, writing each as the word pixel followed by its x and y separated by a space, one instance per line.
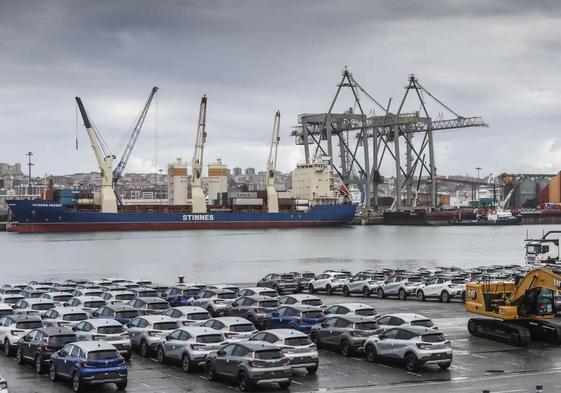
pixel 233 328
pixel 415 346
pixel 344 332
pixel 251 363
pixel 147 331
pixel 188 315
pixel 108 330
pixel 64 316
pixel 13 327
pixel 213 300
pixel 252 308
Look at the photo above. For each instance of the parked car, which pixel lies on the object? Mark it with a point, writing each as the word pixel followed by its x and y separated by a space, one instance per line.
pixel 144 292
pixel 97 291
pixel 258 291
pixel 10 291
pixel 360 309
pixel 39 344
pixel 303 299
pixel 179 296
pixel 442 288
pixel 58 298
pixel 297 317
pixel 252 308
pixel 120 312
pixel 64 316
pixel 146 331
pixel 302 279
pixel 161 290
pixel 108 330
pixel 387 321
pixel 364 283
pixel 149 305
pixel 86 303
pixel 189 346
pixel 6 309
pixel 35 306
pixel 10 299
pixel 230 287
pixel 233 328
pixel 32 293
pixel 13 327
pixel 344 332
pixel 328 282
pixel 297 347
pixel 414 345
pixel 251 364
pixel 280 282
pixel 118 297
pixel 188 315
pixel 400 286
pixel 213 300
pixel 89 363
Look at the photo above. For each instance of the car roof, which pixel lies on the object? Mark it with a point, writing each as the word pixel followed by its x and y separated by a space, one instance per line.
pixel 90 346
pixel 189 309
pixel 419 330
pixel 24 317
pixel 58 293
pixel 87 298
pixel 157 318
pixel 257 297
pixel 301 307
pixel 37 300
pixel 302 296
pixel 285 333
pixel 257 345
pixel 152 300
pixel 69 310
pixel 55 331
pixel 354 306
pixel 199 330
pixel 231 320
pixel 408 317
pixel 258 289
pixel 103 322
pixel 218 290
pixel 353 318
pixel 121 292
pixel 120 307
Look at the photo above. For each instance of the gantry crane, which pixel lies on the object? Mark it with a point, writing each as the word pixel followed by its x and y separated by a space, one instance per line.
pixel 197 194
pixel 272 196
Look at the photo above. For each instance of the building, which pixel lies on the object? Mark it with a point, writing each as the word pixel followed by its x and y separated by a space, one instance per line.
pixel 237 171
pixel 7 169
pixel 178 183
pixel 528 190
pixel 551 193
pixel 217 179
pixel 313 180
pixel 249 171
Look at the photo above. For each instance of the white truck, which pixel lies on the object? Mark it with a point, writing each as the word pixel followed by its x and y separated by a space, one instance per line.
pixel 542 251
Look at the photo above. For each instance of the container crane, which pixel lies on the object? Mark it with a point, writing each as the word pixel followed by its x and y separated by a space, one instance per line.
pixel 105 162
pixel 272 196
pixel 197 194
pixel 120 168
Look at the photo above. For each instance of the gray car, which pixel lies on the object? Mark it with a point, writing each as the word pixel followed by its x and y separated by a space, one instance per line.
pixel 415 346
pixel 297 346
pixel 189 346
pixel 252 308
pixel 147 331
pixel 188 315
pixel 345 332
pixel 213 300
pixel 251 363
pixel 64 316
pixel 149 305
pixel 280 282
pixel 360 309
pixel 108 330
pixel 233 328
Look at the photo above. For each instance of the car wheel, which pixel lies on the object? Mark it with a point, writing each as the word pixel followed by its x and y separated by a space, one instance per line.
pixel 315 338
pixel 77 382
pixel 284 385
pixel 365 292
pixel 329 290
pixel 121 385
pixel 186 364
pixel 19 356
pixel 311 289
pixel 243 382
pixel 420 296
pixel 371 353
pixel 160 355
pixel 444 366
pixel 312 370
pixel 7 348
pixel 346 348
pixel 39 368
pixel 402 294
pixel 52 372
pixel 410 362
pixel 380 293
pixel 210 372
pixel 445 297
pixel 144 349
pixel 346 292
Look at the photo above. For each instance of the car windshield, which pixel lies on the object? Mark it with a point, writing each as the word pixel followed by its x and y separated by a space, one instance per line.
pixel 308 275
pixel 61 340
pixel 340 276
pixel 115 329
pixel 298 341
pixel 94 304
pixel 458 281
pixel 415 279
pixel 42 306
pixel 422 322
pixel 312 314
pixel 245 327
pixel 433 338
pixel 11 300
pixel 165 326
pixel 92 293
pixel 124 296
pixel 226 295
pixel 312 302
pixel 158 306
pixel 190 292
pixel 366 312
pixel 268 303
pixel 210 339
pixel 29 325
pixel 103 355
pixel 126 314
pixel 61 298
pixel 287 277
pixel 366 325
pixel 75 317
pixel 198 316
pixel 6 312
pixel 532 249
pixel 269 354
pixel 147 293
pixel 269 293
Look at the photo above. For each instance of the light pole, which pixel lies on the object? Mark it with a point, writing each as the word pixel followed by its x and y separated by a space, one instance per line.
pixel 29 165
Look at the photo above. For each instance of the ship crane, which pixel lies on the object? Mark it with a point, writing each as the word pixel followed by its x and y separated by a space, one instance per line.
pixel 272 196
pixel 197 195
pixel 104 160
pixel 120 168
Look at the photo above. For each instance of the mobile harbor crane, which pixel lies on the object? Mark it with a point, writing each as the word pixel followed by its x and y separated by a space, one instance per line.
pixel 197 194
pixel 522 310
pixel 272 196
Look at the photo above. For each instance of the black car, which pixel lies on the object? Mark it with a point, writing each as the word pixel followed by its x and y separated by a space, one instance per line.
pixel 38 345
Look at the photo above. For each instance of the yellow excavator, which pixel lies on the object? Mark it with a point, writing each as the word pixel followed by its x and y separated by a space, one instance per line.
pixel 520 311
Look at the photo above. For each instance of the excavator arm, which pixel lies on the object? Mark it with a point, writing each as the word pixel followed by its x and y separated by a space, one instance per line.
pixel 537 278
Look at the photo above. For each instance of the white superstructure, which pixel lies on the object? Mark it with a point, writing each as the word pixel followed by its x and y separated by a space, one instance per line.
pixel 178 183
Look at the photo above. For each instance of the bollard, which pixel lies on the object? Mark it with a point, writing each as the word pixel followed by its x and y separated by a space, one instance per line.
pixel 181 279
pixel 539 388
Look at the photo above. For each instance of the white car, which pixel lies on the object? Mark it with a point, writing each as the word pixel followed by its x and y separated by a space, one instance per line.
pixel 13 327
pixel 10 299
pixel 188 315
pixel 87 303
pixel 118 296
pixel 364 283
pixel 33 306
pixel 328 282
pixel 64 316
pixel 442 288
pixel 58 298
pixel 102 329
pixel 233 328
pixel 6 309
pixel 147 331
pixel 401 286
pixel 387 321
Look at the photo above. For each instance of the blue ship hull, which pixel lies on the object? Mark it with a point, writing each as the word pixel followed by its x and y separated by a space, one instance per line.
pixel 29 216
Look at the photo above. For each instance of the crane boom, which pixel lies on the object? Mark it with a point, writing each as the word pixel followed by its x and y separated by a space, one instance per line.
pixel 197 195
pixel 505 202
pixel 272 196
pixel 105 163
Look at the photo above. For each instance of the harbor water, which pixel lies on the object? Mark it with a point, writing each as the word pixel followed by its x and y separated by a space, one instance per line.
pixel 245 256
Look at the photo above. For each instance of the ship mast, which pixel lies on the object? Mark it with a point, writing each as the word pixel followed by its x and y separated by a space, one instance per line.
pixel 197 195
pixel 272 196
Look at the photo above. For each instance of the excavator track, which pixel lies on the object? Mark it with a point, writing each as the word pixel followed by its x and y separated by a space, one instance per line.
pixel 497 330
pixel 545 330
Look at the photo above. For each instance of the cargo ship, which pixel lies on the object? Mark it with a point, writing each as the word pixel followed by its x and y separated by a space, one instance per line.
pixel 36 216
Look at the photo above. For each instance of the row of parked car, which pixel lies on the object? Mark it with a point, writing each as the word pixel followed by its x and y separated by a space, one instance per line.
pixel 85 330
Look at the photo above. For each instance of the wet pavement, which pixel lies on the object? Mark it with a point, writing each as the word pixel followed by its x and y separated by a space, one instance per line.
pixel 478 364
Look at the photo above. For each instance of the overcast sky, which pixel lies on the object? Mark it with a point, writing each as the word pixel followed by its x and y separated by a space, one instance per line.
pixel 496 59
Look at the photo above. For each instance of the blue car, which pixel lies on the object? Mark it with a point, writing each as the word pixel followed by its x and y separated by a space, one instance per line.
pixel 89 363
pixel 120 312
pixel 297 317
pixel 179 296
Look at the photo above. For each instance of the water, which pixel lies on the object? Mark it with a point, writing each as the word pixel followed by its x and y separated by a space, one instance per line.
pixel 246 256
